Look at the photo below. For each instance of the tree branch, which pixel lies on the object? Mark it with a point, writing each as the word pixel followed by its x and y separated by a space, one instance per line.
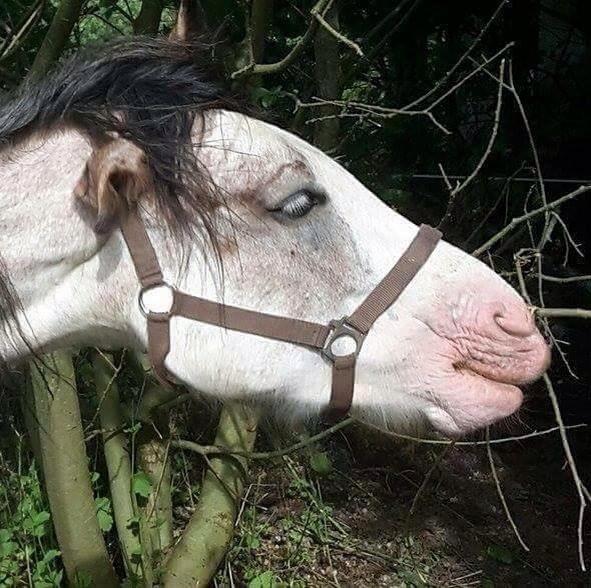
pixel 57 36
pixel 196 557
pixel 337 35
pixel 563 312
pixel 272 68
pixel 528 216
pixel 65 471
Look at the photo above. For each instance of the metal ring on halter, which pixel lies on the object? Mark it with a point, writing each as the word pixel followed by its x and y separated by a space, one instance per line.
pixel 147 308
pixel 342 329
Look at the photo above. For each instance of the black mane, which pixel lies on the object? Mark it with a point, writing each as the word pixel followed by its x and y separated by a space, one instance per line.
pixel 148 91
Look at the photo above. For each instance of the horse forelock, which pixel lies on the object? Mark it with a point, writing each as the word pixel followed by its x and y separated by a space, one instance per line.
pixel 149 91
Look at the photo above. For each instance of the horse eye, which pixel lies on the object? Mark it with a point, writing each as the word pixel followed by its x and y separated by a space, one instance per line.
pixel 297 205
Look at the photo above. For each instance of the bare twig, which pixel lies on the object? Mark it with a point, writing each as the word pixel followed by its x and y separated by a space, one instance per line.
pixel 477 443
pixel 580 487
pixel 453 195
pixel 525 217
pixel 563 312
pixel 214 450
pixel 272 68
pixel 573 468
pixel 428 476
pixel 458 63
pixel 567 280
pixel 336 34
pixel 493 470
pixel 368 111
pixel 12 42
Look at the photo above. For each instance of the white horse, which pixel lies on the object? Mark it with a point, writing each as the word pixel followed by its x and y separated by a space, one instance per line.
pixel 295 235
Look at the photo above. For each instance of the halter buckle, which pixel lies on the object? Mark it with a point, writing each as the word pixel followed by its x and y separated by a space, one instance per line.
pixel 342 329
pixel 157 299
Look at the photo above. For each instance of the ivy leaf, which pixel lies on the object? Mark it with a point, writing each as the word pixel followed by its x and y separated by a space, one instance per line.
pixel 264 580
pixel 103 514
pixel 141 485
pixel 7 546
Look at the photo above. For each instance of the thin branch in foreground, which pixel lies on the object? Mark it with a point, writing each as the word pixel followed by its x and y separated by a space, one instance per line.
pixel 527 216
pixel 531 435
pixel 272 68
pixel 215 450
pixel 450 73
pixel 573 468
pixel 581 489
pixel 428 476
pixel 453 193
pixel 206 450
pixel 495 475
pixel 566 280
pixel 510 86
pixel 336 34
pixel 563 312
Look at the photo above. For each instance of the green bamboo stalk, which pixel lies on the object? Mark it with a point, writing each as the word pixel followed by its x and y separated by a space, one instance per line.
pixel 116 447
pixel 65 471
pixel 207 537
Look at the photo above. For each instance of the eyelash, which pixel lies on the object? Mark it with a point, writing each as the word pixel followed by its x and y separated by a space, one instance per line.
pixel 297 205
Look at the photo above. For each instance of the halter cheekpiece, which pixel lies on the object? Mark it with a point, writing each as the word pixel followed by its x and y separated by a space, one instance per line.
pixel 328 340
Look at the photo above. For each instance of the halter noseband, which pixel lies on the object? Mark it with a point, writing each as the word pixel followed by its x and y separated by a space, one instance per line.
pixel 317 337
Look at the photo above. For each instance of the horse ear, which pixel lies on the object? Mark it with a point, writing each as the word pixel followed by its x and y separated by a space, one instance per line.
pixel 190 21
pixel 117 175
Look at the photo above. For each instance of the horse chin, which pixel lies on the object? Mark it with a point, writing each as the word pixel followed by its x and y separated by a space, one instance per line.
pixel 471 402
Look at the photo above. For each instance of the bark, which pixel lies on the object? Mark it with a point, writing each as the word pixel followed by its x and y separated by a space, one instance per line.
pixel 190 21
pixel 147 21
pixel 207 537
pixel 65 470
pixel 57 36
pixel 329 79
pixel 117 457
pixel 153 444
pixel 260 18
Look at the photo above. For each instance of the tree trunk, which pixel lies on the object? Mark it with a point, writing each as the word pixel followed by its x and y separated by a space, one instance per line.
pixel 136 556
pixel 65 470
pixel 148 19
pixel 153 458
pixel 329 81
pixel 207 537
pixel 57 36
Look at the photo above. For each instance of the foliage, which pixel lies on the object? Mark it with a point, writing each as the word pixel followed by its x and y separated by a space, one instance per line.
pixel 27 543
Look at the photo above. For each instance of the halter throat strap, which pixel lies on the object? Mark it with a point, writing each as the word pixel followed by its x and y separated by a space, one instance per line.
pixel 315 336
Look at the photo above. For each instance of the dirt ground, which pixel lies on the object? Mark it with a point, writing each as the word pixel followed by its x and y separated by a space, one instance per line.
pixel 341 517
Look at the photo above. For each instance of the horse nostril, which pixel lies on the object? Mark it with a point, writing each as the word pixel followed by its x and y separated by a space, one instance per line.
pixel 515 321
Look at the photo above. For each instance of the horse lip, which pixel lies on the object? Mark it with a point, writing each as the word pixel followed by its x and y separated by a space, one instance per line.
pixel 530 363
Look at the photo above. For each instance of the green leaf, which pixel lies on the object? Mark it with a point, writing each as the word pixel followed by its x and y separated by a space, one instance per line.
pixel 320 463
pixel 141 485
pixel 252 541
pixel 500 554
pixel 103 514
pixel 36 523
pixel 7 548
pixel 264 580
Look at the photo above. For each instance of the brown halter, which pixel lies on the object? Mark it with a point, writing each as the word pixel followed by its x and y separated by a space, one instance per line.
pixel 320 338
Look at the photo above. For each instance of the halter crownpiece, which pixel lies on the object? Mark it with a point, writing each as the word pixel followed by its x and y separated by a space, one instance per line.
pixel 339 342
